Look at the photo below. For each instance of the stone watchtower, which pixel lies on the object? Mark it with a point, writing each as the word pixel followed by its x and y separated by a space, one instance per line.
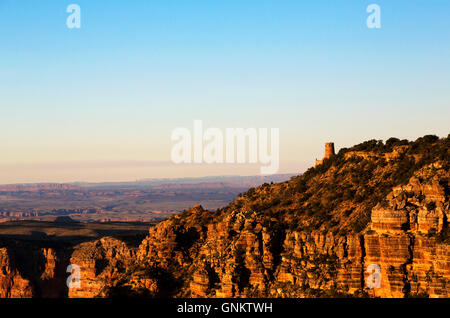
pixel 329 152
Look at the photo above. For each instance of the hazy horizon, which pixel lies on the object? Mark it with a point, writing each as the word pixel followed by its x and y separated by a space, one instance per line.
pixel 144 179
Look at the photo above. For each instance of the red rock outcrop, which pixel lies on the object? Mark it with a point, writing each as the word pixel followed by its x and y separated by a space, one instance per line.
pixel 12 284
pixel 100 262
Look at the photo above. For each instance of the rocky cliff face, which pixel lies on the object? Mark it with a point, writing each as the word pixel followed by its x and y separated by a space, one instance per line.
pixel 42 272
pixel 356 225
pixel 99 262
pixel 244 256
pixel 406 236
pixel 12 284
pixel 27 273
pixel 401 251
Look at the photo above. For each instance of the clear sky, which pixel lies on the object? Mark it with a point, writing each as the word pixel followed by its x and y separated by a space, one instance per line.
pixel 100 102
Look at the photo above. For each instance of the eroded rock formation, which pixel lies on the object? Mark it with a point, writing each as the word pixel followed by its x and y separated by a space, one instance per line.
pixel 362 224
pixel 12 284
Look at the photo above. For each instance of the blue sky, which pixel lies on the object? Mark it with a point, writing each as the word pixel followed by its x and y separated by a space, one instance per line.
pixel 116 88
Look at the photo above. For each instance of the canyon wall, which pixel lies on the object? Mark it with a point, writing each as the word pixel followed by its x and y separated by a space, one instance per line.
pixel 404 251
pixel 400 253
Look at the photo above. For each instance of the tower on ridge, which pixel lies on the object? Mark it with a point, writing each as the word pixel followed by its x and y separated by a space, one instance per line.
pixel 329 152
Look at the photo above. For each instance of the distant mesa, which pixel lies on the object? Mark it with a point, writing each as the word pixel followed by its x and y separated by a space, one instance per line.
pixel 35 187
pixel 329 152
pixel 61 219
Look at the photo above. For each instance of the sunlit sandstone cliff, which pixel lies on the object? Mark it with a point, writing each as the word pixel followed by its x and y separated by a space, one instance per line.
pixel 243 256
pixel 100 262
pixel 30 272
pixel 12 284
pixel 382 206
pixel 254 247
